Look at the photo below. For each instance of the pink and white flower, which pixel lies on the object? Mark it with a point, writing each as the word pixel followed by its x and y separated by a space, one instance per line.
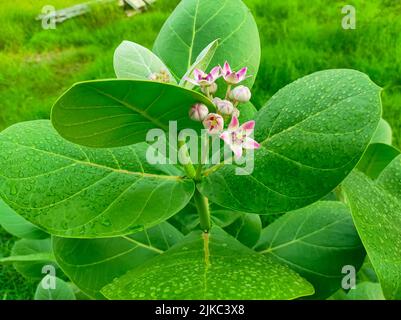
pixel 232 77
pixel 238 137
pixel 203 79
pixel 198 112
pixel 214 123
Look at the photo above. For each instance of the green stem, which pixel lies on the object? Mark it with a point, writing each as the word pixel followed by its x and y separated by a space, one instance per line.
pixel 228 91
pixel 188 167
pixel 202 205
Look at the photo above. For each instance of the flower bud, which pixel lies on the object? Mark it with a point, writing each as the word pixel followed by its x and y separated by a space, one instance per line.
pixel 241 94
pixel 212 89
pixel 225 107
pixel 214 123
pixel 198 112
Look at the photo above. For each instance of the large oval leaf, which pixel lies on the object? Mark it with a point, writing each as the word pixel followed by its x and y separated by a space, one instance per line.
pixel 114 113
pixel 209 266
pixel 16 225
pixel 30 256
pixel 376 159
pixel 93 263
pixel 376 209
pixel 384 133
pixel 317 242
pixel 132 61
pixel 79 192
pixel 62 291
pixel 313 133
pixel 196 23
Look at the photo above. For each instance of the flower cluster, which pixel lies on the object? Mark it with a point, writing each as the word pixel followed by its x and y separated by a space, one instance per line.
pixel 236 136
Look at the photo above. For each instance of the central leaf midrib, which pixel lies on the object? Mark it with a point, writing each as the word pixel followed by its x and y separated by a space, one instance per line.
pixel 91 164
pixel 132 107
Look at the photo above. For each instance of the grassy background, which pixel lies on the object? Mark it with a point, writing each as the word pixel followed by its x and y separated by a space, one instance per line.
pixel 298 38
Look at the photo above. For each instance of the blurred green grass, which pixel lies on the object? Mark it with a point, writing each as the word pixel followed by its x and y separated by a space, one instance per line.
pixel 298 38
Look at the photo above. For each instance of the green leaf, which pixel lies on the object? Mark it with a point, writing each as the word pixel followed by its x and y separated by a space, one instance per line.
pixel 209 266
pixel 363 291
pixel 367 272
pixel 18 226
pixel 196 23
pixel 313 133
pixel 30 256
pixel 63 291
pixel 317 242
pixel 246 229
pixel 376 159
pixel 91 264
pixel 79 192
pixel 384 133
pixel 202 62
pixel 115 113
pixel 132 61
pixel 366 291
pixel 376 208
pixel 247 112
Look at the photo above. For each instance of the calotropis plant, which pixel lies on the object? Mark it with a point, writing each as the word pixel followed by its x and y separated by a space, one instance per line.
pixel 124 228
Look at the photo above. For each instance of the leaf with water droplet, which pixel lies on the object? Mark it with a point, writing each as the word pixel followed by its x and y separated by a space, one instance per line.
pixel 317 242
pixel 93 263
pixel 83 192
pixel 213 266
pixel 308 147
pixel 376 208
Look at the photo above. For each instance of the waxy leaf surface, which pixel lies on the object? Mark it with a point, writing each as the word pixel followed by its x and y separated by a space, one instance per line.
pixel 317 242
pixel 93 263
pixel 79 192
pixel 132 61
pixel 115 113
pixel 16 225
pixel 376 210
pixel 62 291
pixel 312 134
pixel 209 266
pixel 196 23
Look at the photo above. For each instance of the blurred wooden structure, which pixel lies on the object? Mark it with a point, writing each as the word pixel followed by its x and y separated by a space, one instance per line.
pixel 59 16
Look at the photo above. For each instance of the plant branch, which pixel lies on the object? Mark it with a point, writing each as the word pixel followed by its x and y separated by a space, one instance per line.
pixel 202 205
pixel 187 163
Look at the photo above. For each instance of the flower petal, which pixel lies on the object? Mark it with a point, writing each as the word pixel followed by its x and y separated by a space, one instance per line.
pixel 234 124
pixel 250 144
pixel 215 73
pixel 237 149
pixel 227 69
pixel 226 137
pixel 242 74
pixel 199 74
pixel 250 125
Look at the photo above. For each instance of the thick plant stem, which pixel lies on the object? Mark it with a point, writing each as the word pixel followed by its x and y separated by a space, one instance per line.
pixel 202 205
pixel 188 166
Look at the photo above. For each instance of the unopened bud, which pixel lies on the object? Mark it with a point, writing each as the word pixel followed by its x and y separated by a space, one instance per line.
pixel 241 94
pixel 198 112
pixel 225 107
